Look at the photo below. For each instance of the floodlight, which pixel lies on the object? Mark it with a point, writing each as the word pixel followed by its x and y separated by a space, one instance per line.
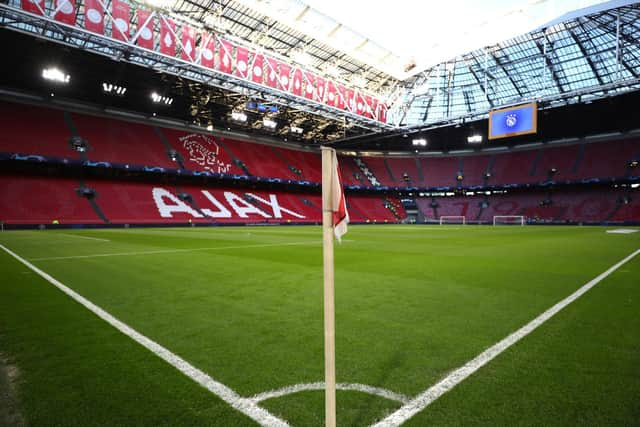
pixel 238 116
pixel 112 89
pixel 55 75
pixel 270 124
pixel 159 99
pixel 420 142
pixel 474 139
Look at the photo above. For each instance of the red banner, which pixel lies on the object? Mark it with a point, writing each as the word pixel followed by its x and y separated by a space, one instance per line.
pixel 65 11
pixel 309 85
pixel 167 36
pixel 242 62
pixel 331 93
pixel 341 97
pixel 33 6
pixel 94 16
pixel 297 83
pixel 285 76
pixel 272 72
pixel 121 20
pixel 145 29
pixel 207 49
pixel 188 43
pixel 257 71
pixel 368 109
pixel 320 89
pixel 374 108
pixel 382 113
pixel 225 56
pixel 351 101
pixel 359 103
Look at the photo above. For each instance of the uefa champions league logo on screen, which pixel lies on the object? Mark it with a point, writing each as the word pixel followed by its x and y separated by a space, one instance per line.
pixel 511 120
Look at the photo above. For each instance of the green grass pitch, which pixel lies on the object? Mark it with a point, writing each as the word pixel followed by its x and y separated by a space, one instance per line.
pixel 244 305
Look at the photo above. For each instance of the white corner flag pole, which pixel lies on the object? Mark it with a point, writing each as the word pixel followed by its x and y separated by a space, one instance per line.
pixel 329 310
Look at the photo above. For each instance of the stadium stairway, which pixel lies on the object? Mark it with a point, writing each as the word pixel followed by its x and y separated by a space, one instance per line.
pixel 578 161
pixel 389 171
pixel 396 209
pixel 487 174
pixel 309 163
pixel 460 176
pixel 316 207
pixel 76 142
pixel 296 172
pixel 172 153
pixel 188 198
pixel 536 161
pixel 632 170
pixel 90 195
pixel 235 160
pixel 482 205
pixel 419 171
pixel 433 204
pixel 257 203
pixel 356 173
pixel 368 172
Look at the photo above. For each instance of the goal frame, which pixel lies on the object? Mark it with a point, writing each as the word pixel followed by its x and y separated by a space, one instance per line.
pixel 464 219
pixel 521 217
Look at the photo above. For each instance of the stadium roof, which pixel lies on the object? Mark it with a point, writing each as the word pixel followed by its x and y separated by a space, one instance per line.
pixel 581 56
pixel 474 66
pixel 391 36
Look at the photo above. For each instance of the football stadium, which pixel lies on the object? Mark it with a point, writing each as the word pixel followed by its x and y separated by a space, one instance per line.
pixel 319 213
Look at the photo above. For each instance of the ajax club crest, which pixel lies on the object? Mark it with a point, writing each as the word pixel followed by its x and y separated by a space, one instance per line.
pixel 204 151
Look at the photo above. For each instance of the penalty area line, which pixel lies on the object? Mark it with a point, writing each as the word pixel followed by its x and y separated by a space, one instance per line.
pixel 244 405
pixel 174 251
pixel 83 237
pixel 430 395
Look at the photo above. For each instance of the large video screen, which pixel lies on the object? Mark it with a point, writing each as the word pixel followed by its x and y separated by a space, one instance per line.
pixel 512 121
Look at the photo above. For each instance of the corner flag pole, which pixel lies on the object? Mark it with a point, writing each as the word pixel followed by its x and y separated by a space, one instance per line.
pixel 329 310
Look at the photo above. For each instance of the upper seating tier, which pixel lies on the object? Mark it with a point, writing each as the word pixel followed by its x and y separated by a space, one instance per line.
pixel 42 131
pixel 35 200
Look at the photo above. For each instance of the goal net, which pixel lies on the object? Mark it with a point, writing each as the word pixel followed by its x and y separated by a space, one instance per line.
pixel 508 220
pixel 453 219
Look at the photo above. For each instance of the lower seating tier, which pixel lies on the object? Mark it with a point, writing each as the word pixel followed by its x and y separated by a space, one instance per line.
pixel 46 200
pixel 43 200
pixel 578 205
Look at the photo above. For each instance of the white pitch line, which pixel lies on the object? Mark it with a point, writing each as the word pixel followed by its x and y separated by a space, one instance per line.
pixel 242 404
pixel 414 228
pixel 296 388
pixel 171 251
pixel 430 395
pixel 83 237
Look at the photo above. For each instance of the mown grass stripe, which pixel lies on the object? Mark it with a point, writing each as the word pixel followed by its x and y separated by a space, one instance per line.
pixel 434 392
pixel 244 405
